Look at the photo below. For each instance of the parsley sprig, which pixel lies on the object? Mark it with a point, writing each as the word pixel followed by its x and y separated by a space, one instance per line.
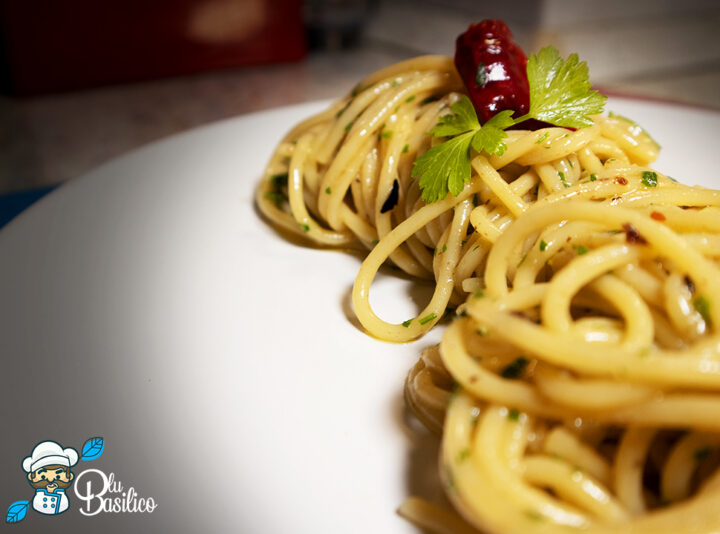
pixel 560 94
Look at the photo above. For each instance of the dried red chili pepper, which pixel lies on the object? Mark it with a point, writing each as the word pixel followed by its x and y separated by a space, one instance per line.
pixel 493 69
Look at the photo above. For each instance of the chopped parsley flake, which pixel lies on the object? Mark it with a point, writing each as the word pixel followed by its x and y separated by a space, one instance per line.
pixel 279 180
pixel 513 415
pixel 479 293
pixel 374 242
pixel 543 245
pixel 463 455
pixel 580 249
pixel 702 453
pixel 542 138
pixel 387 134
pixel 649 178
pixel 349 125
pixel 407 323
pixel 410 99
pixel 516 368
pixel 328 190
pixel 278 198
pixel 444 248
pixel 405 149
pixel 339 113
pixel 449 480
pixel 593 177
pixel 395 83
pixel 534 515
pixel 305 227
pixel 428 318
pixel 702 305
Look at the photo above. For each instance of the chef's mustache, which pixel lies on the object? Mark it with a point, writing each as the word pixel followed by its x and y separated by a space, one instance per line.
pixel 42 484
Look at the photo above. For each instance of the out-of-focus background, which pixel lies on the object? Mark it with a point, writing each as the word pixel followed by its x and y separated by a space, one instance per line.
pixel 85 81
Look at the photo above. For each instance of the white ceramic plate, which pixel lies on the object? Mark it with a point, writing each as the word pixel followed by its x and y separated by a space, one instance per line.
pixel 148 303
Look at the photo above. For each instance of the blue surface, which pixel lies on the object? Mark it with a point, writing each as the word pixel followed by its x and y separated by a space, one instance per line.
pixel 12 204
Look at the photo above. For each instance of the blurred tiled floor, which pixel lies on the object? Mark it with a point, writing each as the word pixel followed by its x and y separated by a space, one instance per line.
pixel 657 48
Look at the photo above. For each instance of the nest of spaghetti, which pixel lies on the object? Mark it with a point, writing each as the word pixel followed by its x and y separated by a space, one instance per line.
pixel 343 178
pixel 579 386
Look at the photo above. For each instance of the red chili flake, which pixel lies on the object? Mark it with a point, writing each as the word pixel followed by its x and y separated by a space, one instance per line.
pixel 621 180
pixel 632 235
pixel 657 216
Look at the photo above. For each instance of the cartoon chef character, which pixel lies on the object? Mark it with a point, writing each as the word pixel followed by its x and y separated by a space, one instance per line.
pixel 48 471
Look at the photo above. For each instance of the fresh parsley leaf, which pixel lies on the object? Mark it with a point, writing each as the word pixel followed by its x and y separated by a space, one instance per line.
pixel 443 168
pixel 446 167
pixel 560 90
pixel 490 137
pixel 462 119
pixel 560 94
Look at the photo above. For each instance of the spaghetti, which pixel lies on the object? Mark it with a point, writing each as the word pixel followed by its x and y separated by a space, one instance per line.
pixel 588 375
pixel 343 179
pixel 578 387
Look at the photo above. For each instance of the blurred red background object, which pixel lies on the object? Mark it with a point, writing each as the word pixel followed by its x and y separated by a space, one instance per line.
pixel 58 45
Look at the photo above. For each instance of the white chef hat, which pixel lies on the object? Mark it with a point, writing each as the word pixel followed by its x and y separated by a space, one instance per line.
pixel 49 453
